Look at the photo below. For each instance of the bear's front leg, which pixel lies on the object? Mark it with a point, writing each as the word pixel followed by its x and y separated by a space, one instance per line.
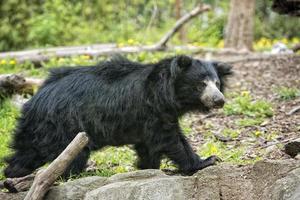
pixel 176 147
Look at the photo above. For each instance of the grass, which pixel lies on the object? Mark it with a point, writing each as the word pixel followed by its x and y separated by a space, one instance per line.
pixel 246 122
pixel 227 153
pixel 244 104
pixel 252 112
pixel 8 115
pixel 231 133
pixel 286 93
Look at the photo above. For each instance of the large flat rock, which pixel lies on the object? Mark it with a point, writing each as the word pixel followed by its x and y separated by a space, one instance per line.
pixel 265 180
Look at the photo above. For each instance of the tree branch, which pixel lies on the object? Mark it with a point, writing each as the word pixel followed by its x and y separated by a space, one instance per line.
pixel 46 177
pixel 184 19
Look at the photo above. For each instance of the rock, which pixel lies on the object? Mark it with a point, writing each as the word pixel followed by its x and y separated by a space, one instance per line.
pixel 287 188
pixel 76 189
pixel 273 152
pixel 140 174
pixel 72 190
pixel 265 180
pixel 170 188
pixel 12 196
pixel 143 184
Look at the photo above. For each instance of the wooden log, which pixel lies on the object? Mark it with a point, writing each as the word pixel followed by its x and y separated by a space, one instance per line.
pixel 46 177
pixel 19 184
pixel 12 83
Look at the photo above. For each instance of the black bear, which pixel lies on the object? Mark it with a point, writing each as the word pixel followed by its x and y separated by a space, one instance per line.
pixel 118 102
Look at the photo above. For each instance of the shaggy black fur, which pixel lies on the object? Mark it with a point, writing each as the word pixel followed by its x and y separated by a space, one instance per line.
pixel 117 102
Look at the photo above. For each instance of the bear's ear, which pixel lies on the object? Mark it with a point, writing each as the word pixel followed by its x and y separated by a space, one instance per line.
pixel 179 64
pixel 223 69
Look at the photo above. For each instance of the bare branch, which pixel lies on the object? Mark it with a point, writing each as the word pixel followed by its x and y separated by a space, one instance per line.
pixel 184 19
pixel 46 177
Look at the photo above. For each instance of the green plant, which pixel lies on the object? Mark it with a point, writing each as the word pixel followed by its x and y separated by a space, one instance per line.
pixel 231 133
pixel 8 115
pixel 223 151
pixel 286 93
pixel 244 104
pixel 247 121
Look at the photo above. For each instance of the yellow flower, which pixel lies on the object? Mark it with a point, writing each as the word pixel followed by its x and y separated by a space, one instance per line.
pixel 221 44
pixel 213 149
pixel 121 44
pixel 295 40
pixel 61 60
pixel 284 41
pixel 245 93
pixel 257 133
pixel 3 62
pixel 76 60
pixel 85 57
pixel 130 41
pixel 12 62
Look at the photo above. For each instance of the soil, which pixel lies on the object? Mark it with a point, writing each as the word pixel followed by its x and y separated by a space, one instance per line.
pixel 260 75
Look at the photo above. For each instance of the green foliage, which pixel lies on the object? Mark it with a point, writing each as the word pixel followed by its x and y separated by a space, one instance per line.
pixel 185 127
pixel 268 136
pixel 223 151
pixel 245 122
pixel 113 160
pixel 231 133
pixel 8 114
pixel 30 24
pixel 244 105
pixel 286 93
pixel 49 26
pixel 272 25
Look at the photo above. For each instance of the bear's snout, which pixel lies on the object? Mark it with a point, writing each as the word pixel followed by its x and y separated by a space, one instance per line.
pixel 219 101
pixel 212 97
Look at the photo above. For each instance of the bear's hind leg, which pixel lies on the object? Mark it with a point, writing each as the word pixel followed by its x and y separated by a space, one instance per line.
pixel 146 159
pixel 22 163
pixel 78 164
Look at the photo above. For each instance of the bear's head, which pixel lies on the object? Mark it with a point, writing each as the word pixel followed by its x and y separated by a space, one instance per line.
pixel 199 85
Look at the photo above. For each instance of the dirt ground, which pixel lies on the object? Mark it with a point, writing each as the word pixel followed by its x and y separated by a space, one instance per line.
pixel 259 76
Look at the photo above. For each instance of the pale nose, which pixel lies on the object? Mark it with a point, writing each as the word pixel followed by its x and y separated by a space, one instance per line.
pixel 219 101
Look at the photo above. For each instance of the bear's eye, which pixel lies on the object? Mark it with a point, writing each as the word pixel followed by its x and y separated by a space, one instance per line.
pixel 201 85
pixel 218 84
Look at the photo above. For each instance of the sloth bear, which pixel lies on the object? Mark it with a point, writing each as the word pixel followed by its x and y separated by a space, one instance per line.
pixel 118 102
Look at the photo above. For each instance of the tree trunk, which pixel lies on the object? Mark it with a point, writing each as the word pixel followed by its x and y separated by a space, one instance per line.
pixel 239 30
pixel 178 12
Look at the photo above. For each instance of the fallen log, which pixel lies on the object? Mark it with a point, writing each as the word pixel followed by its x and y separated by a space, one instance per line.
pixel 44 54
pixel 20 184
pixel 16 84
pixel 46 177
